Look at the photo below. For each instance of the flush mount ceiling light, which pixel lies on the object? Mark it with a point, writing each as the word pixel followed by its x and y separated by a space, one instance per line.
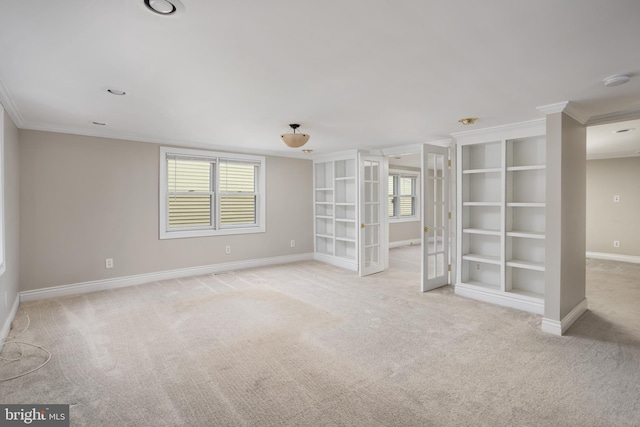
pixel 468 120
pixel 116 92
pixel 307 151
pixel 163 7
pixel 624 130
pixel 99 123
pixel 294 140
pixel 616 80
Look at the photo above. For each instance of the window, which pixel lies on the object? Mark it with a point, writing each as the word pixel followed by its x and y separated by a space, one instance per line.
pixel 403 196
pixel 3 266
pixel 204 193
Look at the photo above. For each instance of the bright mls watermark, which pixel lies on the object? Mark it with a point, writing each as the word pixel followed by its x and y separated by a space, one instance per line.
pixel 34 415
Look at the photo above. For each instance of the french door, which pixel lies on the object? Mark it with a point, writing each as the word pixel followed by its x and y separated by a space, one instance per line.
pixel 435 217
pixel 373 240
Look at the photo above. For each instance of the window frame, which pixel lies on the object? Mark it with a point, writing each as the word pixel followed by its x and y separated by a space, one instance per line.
pixel 220 193
pixel 400 173
pixel 3 264
pixel 216 229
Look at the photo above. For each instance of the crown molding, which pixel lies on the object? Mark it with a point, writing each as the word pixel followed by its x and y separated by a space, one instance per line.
pixel 441 142
pixel 402 149
pixel 498 133
pixel 619 155
pixel 567 107
pixel 618 116
pixel 553 108
pixel 415 148
pixel 338 155
pixel 10 106
pixel 160 141
pixel 577 113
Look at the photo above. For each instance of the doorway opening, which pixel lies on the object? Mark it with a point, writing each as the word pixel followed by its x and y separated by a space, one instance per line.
pixel 419 209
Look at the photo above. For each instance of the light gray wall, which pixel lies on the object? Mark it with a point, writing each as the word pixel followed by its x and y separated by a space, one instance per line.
pixel 9 282
pixel 606 220
pixel 84 199
pixel 565 216
pixel 401 231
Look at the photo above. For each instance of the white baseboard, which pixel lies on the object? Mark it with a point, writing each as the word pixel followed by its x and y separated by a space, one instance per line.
pixel 139 279
pixel 400 243
pixel 343 263
pixel 614 257
pixel 560 327
pixel 532 305
pixel 6 328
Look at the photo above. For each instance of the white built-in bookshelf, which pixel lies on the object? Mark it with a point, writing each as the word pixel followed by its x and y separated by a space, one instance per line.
pixel 501 216
pixel 335 200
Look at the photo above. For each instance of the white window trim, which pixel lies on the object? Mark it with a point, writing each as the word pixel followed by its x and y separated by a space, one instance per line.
pixel 259 227
pixel 3 264
pixel 412 174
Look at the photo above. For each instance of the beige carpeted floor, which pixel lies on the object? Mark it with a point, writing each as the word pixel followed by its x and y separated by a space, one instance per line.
pixel 313 345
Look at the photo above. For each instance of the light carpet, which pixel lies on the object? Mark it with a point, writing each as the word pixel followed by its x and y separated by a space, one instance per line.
pixel 309 344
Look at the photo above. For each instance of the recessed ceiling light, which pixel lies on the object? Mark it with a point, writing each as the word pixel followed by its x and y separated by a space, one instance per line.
pixel 624 130
pixel 307 151
pixel 468 120
pixel 616 80
pixel 116 92
pixel 99 123
pixel 163 7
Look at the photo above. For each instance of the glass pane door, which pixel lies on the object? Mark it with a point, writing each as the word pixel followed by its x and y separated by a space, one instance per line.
pixel 435 240
pixel 372 256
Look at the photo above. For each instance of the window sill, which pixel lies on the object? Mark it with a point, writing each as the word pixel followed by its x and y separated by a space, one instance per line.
pixel 185 234
pixel 407 219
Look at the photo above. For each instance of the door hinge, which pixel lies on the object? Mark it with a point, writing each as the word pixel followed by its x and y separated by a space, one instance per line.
pixel 449 163
pixel 449 215
pixel 449 267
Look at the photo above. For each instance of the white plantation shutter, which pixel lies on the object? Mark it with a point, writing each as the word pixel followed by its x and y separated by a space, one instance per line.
pixel 238 195
pixel 205 193
pixel 402 196
pixel 407 196
pixel 190 192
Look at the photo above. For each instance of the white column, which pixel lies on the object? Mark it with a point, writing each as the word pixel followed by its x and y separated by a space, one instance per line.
pixel 565 299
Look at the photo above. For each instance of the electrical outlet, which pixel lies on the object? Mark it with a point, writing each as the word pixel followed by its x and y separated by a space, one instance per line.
pixel 293 243
pixel 477 266
pixel 616 198
pixel 616 243
pixel 108 263
pixel 227 250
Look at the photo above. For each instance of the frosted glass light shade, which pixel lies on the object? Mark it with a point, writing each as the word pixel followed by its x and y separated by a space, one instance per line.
pixel 294 140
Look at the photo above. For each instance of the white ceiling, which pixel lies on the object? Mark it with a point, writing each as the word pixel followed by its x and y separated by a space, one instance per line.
pixel 355 74
pixel 605 141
